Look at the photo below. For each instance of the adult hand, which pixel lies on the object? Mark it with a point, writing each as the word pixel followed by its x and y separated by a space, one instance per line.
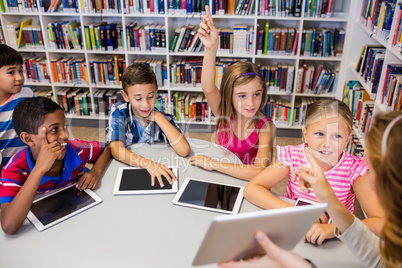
pixel 274 257
pixel 207 32
pixel 202 161
pixel 49 152
pixel 158 170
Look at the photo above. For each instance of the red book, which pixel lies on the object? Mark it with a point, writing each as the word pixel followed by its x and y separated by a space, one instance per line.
pixel 31 69
pixel 152 6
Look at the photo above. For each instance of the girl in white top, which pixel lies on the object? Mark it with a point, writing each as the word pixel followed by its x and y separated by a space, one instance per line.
pixel 384 156
pixel 327 131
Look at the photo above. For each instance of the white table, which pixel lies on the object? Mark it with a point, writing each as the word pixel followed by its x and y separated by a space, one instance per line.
pixel 140 230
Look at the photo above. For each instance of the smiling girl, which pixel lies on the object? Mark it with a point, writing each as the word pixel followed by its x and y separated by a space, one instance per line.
pixel 241 126
pixel 327 131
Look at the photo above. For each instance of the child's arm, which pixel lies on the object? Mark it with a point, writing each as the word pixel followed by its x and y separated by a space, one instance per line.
pixel 176 139
pixel 91 178
pixel 13 214
pixel 120 153
pixel 243 171
pixel 257 190
pixel 209 37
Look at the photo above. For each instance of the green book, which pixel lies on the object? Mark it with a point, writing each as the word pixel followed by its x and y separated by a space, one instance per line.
pixel 176 105
pixel 2 7
pixel 174 40
pixel 87 39
pixel 266 30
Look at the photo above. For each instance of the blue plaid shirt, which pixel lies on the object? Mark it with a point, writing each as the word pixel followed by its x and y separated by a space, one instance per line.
pixel 122 126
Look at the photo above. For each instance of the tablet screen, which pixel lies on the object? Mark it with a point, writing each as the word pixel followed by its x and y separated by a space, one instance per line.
pixel 61 204
pixel 140 179
pixel 210 195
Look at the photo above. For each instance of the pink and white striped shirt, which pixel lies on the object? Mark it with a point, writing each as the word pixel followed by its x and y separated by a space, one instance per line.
pixel 341 177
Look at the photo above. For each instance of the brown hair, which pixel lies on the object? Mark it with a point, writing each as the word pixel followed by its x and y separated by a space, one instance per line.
pixel 325 107
pixel 230 79
pixel 388 181
pixel 138 73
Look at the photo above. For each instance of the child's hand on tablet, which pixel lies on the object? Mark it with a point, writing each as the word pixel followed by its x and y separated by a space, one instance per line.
pixel 202 161
pixel 88 180
pixel 319 232
pixel 275 257
pixel 158 170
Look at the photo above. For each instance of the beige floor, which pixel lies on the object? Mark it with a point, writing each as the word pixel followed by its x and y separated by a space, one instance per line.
pixel 88 133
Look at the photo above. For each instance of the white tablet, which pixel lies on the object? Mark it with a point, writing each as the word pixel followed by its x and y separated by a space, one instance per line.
pixel 300 201
pixel 60 205
pixel 133 180
pixel 209 195
pixel 232 237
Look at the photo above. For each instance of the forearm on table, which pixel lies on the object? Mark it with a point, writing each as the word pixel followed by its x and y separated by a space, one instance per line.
pixel 262 197
pixel 13 214
pixel 241 171
pixel 176 139
pixel 102 161
pixel 124 155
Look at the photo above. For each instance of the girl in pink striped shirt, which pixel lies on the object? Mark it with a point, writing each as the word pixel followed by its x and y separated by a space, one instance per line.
pixel 327 131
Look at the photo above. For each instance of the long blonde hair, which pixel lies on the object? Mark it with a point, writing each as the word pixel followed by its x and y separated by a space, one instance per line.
pixel 388 174
pixel 234 76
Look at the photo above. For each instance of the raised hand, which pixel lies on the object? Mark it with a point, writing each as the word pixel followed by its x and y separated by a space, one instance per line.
pixel 49 152
pixel 157 170
pixel 207 32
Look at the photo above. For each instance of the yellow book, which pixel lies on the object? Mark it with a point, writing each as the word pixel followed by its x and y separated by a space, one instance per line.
pixel 21 40
pixel 92 35
pixel 116 69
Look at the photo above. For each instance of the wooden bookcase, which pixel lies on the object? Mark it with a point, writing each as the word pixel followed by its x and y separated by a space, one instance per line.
pixel 343 15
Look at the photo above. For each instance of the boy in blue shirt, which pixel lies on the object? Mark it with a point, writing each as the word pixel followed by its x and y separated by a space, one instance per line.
pixel 50 161
pixel 137 120
pixel 12 91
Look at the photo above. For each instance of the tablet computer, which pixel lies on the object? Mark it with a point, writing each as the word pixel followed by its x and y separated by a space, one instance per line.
pixel 300 201
pixel 59 205
pixel 209 195
pixel 232 237
pixel 134 180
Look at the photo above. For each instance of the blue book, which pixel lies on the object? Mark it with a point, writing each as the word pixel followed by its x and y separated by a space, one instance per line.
pixel 161 6
pixel 189 7
pixel 312 43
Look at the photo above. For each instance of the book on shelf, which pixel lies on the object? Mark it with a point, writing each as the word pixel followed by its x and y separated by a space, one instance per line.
pixel 69 70
pixel 318 8
pixel 99 6
pixel 35 69
pixel 190 107
pixel 321 79
pixel 279 78
pixel 21 37
pixel 280 8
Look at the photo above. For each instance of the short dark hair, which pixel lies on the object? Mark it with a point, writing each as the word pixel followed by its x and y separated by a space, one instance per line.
pixel 30 113
pixel 138 73
pixel 9 56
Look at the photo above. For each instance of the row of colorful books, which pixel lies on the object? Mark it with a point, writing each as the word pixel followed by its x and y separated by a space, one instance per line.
pixel 278 77
pixel 277 41
pixel 35 69
pixel 238 40
pixel 107 70
pixel 25 34
pixel 186 38
pixel 187 7
pixel 149 37
pixel 377 16
pixel 280 8
pixel 69 70
pixel 318 8
pixel 355 146
pixel 75 101
pixel 357 98
pixel 186 72
pixel 64 6
pixel 107 7
pixel 391 93
pixel 322 43
pixel 65 35
pixel 321 79
pixel 280 110
pixel 243 7
pixel 369 65
pixel 104 36
pixel 395 38
pixel 40 92
pixel 20 6
pixel 191 107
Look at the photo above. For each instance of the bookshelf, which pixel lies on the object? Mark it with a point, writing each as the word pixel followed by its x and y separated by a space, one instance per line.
pixel 363 34
pixel 343 16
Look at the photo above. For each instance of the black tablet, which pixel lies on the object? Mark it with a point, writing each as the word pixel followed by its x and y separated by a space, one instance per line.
pixel 132 180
